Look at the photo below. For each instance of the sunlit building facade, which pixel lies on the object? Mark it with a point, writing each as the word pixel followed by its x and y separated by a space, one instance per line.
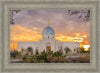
pixel 48 42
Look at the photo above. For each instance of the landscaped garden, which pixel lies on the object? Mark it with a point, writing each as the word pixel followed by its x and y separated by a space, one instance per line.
pixel 52 57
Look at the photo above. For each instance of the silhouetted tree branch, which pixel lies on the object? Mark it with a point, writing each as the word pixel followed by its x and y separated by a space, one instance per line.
pixel 12 13
pixel 85 14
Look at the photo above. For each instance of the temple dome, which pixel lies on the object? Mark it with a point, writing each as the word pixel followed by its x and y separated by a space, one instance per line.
pixel 48 31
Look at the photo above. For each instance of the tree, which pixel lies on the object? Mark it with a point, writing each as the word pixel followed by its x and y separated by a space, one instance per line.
pixel 85 14
pixel 81 49
pixel 12 13
pixel 14 53
pixel 67 49
pixel 30 50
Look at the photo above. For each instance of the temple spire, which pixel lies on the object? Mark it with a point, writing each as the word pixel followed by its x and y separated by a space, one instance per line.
pixel 48 23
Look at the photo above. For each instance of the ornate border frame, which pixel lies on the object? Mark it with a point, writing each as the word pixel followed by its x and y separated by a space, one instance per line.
pixel 6 66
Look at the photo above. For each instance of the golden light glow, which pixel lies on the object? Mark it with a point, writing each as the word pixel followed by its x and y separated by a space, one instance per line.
pixel 81 45
pixel 76 37
pixel 86 47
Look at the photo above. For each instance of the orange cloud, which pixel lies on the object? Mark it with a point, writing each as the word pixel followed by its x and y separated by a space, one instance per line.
pixel 19 33
pixel 76 37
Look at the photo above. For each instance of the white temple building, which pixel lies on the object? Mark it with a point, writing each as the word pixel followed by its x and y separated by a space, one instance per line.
pixel 48 42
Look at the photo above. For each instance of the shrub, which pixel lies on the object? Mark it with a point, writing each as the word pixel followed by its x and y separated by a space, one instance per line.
pixel 46 57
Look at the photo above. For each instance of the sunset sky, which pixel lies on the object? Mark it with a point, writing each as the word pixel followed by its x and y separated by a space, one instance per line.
pixel 29 25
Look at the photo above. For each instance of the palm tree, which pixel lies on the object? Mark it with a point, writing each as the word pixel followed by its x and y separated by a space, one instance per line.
pixel 30 50
pixel 67 49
